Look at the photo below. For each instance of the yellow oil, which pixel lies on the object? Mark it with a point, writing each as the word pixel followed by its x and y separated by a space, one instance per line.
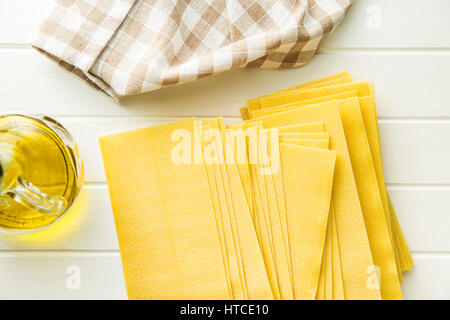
pixel 44 160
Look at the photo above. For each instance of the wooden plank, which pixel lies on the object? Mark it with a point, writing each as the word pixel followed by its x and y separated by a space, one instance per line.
pixel 408 84
pixel 429 278
pixel 61 276
pixel 54 276
pixel 424 216
pixel 370 23
pixel 394 24
pixel 416 151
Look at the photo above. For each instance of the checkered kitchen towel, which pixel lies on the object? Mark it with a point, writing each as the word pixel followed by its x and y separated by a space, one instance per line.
pixel 125 47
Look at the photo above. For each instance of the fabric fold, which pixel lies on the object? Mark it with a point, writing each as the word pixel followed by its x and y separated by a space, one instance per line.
pixel 126 47
pixel 77 31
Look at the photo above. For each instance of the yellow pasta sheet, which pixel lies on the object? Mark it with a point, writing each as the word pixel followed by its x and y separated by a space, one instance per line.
pixel 368 109
pixel 308 180
pixel 355 260
pixel 256 279
pixel 255 103
pixel 370 198
pixel 261 218
pixel 269 170
pixel 151 207
pixel 335 269
pixel 315 136
pixel 295 104
pixel 313 143
pixel 362 89
pixel 337 287
pixel 213 158
pixel 372 205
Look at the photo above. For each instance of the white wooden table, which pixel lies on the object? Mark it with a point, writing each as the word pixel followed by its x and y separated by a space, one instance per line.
pixel 403 46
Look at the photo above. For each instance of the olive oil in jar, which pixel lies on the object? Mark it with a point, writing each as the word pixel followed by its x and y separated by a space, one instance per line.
pixel 40 173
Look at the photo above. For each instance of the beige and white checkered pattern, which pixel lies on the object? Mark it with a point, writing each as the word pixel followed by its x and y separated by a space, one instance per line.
pixel 125 47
